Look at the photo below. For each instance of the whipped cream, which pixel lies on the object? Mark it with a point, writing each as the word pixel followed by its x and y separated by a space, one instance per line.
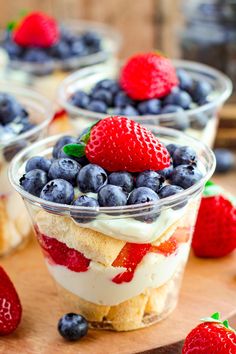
pixel 96 286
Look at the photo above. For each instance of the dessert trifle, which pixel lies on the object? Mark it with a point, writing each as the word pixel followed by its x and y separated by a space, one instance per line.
pixel 24 118
pixel 114 216
pixel 151 89
pixel 39 45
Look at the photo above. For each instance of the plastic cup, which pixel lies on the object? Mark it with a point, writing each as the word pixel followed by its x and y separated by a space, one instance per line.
pixel 15 227
pixel 120 267
pixel 200 122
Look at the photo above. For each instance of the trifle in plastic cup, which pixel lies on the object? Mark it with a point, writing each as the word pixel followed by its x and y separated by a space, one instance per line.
pixel 118 248
pixel 190 104
pixel 45 50
pixel 24 118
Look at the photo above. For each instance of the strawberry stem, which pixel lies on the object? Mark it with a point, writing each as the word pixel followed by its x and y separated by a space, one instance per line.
pixel 75 150
pixel 215 318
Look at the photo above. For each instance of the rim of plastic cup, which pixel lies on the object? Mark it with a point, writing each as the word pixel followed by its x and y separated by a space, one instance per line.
pixel 124 211
pixel 21 92
pixel 223 95
pixel 108 33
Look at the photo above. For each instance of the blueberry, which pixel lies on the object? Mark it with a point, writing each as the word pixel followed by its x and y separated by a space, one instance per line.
pixel 185 80
pixel 111 196
pixel 185 176
pixel 169 190
pixel 27 126
pixel 121 99
pixel 58 191
pixel 122 179
pixel 224 160
pixel 60 50
pixel 171 148
pixel 82 216
pixel 64 168
pixel 152 106
pixel 11 150
pixel 145 195
pixel 107 84
pixel 184 155
pixel 80 99
pixel 36 55
pixel 126 111
pixel 150 179
pixel 97 106
pixel 92 39
pixel 64 140
pixel 9 108
pixel 103 95
pixel 178 98
pixel 181 122
pixel 14 50
pixel 38 162
pixel 166 172
pixel 34 181
pixel 170 108
pixel 200 92
pixel 78 48
pixel 91 178
pixel 66 35
pixel 72 326
pixel 199 121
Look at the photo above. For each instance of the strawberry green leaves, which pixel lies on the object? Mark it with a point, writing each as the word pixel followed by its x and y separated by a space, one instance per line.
pixel 215 318
pixel 75 150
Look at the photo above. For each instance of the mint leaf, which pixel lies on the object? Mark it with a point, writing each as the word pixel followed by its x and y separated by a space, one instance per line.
pixel 76 150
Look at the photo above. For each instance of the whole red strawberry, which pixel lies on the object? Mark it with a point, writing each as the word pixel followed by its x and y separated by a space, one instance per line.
pixel 10 306
pixel 36 29
pixel 120 144
pixel 211 337
pixel 148 75
pixel 215 230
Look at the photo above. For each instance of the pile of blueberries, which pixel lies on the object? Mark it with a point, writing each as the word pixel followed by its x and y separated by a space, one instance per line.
pixel 14 119
pixel 108 97
pixel 70 45
pixel 57 179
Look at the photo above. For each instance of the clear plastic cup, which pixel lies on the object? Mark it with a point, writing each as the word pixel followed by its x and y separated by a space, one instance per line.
pixel 120 267
pixel 15 228
pixel 190 121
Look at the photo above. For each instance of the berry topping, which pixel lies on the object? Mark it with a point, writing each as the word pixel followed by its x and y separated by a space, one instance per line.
pixel 184 155
pixel 200 91
pixel 72 327
pixel 152 106
pixel 150 179
pixel 80 99
pixel 178 98
pixel 166 172
pixel 38 162
pixel 224 160
pixel 107 84
pixel 122 100
pixel 185 80
pixel 120 144
pixel 37 30
pixel 171 108
pixel 211 337
pixel 199 121
pixel 64 140
pixel 103 95
pixel 91 178
pixel 58 191
pixel 148 75
pixel 169 190
pixel 215 230
pixel 34 181
pixel 10 306
pixel 58 253
pixel 185 176
pixel 122 179
pixel 85 201
pixel 171 148
pixel 97 106
pixel 64 168
pixel 9 108
pixel 111 196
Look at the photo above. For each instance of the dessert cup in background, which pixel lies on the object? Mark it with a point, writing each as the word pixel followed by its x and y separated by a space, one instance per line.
pixel 200 122
pixel 120 267
pixel 15 227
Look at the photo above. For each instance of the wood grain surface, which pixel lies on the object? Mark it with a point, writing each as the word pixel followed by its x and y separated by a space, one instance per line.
pixel 208 286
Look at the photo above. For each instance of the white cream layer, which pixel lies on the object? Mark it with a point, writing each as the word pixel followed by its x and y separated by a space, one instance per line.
pixel 96 286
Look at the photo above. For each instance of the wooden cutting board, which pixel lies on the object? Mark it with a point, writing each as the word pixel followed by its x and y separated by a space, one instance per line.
pixel 208 286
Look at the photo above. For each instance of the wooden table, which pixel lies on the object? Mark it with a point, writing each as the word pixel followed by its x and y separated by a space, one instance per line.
pixel 208 286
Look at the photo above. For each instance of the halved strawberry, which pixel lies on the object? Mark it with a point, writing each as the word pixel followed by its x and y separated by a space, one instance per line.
pixel 166 248
pixel 10 306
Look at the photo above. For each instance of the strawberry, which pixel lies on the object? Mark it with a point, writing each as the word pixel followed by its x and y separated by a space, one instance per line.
pixel 36 29
pixel 120 144
pixel 148 75
pixel 211 337
pixel 10 306
pixel 215 230
pixel 58 253
pixel 132 254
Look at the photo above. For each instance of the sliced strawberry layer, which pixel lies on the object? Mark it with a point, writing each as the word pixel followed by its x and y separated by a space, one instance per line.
pixel 58 253
pixel 132 254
